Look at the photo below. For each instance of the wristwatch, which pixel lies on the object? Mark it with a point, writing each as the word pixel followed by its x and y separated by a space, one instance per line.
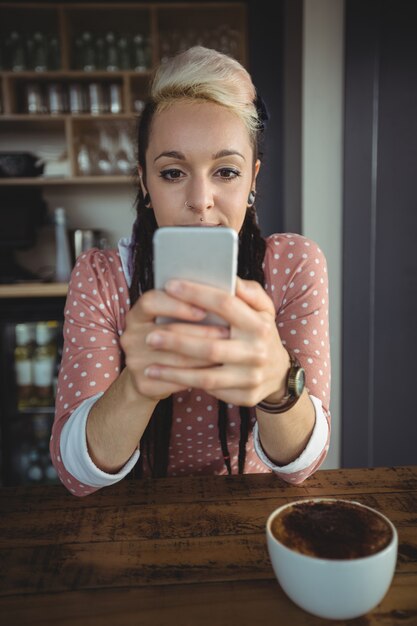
pixel 295 387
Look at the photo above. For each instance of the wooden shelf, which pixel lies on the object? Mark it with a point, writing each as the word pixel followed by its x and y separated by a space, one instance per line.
pixel 71 74
pixel 74 180
pixel 34 290
pixel 156 21
pixel 56 117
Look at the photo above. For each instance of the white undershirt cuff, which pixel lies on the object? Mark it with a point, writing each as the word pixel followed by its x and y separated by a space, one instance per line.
pixel 74 450
pixel 311 452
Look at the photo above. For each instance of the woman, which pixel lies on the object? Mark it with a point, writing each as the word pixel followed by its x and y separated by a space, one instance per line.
pixel 187 398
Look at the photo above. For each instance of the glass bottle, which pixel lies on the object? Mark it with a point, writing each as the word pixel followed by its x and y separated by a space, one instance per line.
pixel 100 53
pixel 23 364
pixel 41 434
pixel 148 52
pixel 40 52
pixel 21 461
pixel 125 154
pixel 44 363
pixel 63 264
pixel 139 54
pixel 123 45
pixel 16 49
pixel 85 166
pixel 112 53
pixel 54 53
pixel 115 98
pixel 30 46
pixel 88 53
pixel 34 472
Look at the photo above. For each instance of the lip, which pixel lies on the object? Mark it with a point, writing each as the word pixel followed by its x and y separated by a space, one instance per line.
pixel 203 225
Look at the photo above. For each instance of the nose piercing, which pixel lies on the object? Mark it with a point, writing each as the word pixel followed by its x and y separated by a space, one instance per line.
pixel 189 206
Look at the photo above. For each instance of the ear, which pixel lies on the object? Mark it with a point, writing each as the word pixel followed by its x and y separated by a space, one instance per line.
pixel 256 169
pixel 252 193
pixel 255 173
pixel 142 184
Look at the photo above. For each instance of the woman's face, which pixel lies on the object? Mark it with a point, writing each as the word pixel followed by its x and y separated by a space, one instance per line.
pixel 200 167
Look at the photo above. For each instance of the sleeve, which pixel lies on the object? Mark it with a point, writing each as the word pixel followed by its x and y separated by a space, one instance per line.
pixel 94 319
pixel 74 452
pixel 296 280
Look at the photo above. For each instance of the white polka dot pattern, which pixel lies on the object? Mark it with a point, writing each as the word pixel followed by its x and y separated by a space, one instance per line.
pixel 296 280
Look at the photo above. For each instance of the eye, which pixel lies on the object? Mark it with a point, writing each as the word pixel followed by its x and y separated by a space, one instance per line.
pixel 228 173
pixel 171 174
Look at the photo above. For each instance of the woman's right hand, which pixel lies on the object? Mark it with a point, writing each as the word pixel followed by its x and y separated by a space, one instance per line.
pixel 139 354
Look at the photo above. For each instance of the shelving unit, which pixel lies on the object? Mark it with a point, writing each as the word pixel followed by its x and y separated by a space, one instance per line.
pixel 33 290
pixel 165 28
pixel 25 420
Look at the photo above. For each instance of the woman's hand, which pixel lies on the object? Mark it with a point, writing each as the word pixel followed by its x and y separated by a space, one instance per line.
pixel 140 342
pixel 248 366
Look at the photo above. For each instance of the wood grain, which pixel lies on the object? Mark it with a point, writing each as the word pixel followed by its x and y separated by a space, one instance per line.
pixel 33 290
pixel 182 550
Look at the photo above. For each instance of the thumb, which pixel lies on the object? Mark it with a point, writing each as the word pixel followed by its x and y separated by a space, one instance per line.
pixel 254 295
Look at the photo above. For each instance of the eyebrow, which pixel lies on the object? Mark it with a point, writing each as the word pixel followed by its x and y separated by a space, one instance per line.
pixel 173 154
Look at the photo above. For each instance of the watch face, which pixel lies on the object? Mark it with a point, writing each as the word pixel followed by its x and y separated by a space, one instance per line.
pixel 299 381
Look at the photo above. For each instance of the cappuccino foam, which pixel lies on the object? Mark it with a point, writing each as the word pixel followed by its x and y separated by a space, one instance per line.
pixel 331 529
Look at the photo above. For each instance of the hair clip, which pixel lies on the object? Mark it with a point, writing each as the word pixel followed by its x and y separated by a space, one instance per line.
pixel 262 111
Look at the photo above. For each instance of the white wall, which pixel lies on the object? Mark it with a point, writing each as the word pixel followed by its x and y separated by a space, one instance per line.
pixel 107 207
pixel 322 135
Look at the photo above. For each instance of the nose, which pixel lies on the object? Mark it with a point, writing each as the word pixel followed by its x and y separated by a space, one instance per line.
pixel 199 196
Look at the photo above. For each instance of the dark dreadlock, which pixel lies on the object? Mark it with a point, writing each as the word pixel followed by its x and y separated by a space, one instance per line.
pixel 156 438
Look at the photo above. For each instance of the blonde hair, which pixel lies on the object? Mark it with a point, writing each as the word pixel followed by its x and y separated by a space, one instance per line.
pixel 204 74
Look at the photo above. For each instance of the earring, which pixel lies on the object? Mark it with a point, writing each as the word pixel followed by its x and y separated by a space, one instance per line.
pixel 251 198
pixel 147 200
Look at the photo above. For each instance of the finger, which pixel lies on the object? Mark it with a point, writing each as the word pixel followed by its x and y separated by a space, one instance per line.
pixel 253 294
pixel 233 310
pixel 171 359
pixel 205 378
pixel 129 338
pixel 157 389
pixel 195 330
pixel 137 360
pixel 157 303
pixel 228 351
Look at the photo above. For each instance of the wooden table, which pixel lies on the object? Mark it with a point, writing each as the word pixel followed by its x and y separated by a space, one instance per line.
pixel 180 551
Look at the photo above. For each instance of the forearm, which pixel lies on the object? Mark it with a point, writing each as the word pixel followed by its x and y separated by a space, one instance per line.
pixel 285 435
pixel 116 424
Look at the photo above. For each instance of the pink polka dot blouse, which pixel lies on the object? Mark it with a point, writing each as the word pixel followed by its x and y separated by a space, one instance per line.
pixel 95 310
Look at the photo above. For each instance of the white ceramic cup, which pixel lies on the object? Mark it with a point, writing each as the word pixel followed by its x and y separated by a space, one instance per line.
pixel 333 588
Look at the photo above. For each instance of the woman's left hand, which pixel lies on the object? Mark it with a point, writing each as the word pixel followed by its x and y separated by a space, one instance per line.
pixel 249 366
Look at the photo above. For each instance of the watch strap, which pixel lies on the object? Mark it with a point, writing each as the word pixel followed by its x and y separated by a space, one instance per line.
pixel 287 403
pixel 289 400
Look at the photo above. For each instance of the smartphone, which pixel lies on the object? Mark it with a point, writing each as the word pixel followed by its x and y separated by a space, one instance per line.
pixel 205 255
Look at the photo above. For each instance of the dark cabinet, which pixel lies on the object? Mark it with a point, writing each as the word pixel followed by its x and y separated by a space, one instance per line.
pixel 27 405
pixel 380 234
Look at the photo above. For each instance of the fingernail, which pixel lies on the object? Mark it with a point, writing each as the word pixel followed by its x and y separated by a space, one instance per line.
pixel 154 339
pixel 196 312
pixel 174 286
pixel 152 371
